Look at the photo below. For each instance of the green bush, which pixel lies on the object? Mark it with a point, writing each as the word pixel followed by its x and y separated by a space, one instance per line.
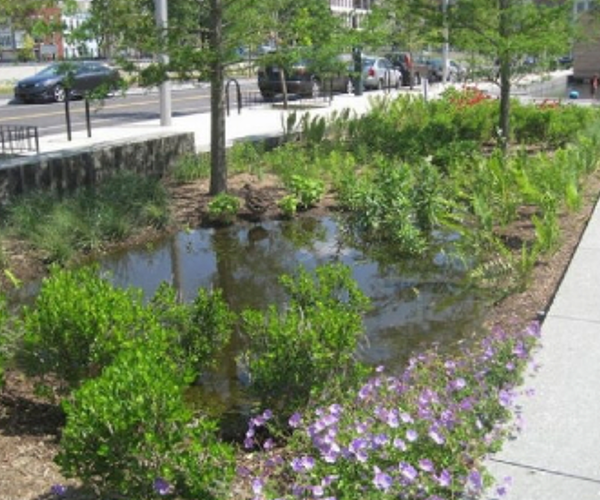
pixel 223 208
pixel 308 192
pixel 78 323
pixel 130 434
pixel 310 347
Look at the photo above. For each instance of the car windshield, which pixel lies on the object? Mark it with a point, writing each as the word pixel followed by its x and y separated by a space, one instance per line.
pixel 52 70
pixel 368 62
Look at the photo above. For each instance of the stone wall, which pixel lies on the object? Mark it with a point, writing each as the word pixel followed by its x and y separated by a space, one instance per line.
pixel 64 171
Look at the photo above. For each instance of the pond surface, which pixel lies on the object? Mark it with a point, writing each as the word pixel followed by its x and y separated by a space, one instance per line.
pixel 415 302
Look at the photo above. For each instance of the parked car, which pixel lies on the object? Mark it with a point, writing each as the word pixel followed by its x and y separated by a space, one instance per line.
pixel 456 71
pixel 304 79
pixel 51 83
pixel 379 72
pixel 405 63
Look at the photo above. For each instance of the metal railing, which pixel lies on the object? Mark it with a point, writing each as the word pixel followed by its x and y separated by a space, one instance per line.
pixel 18 139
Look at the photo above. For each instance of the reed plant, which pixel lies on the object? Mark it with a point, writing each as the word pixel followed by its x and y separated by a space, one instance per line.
pixel 62 227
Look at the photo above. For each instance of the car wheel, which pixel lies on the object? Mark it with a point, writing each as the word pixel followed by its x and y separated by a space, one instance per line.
pixel 267 96
pixel 315 88
pixel 59 94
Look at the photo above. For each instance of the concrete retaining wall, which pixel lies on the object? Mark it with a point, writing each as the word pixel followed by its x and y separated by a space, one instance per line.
pixel 64 171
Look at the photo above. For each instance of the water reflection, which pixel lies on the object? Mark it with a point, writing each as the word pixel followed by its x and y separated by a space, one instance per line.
pixel 409 297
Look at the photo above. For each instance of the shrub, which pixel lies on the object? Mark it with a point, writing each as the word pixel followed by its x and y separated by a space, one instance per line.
pixel 129 433
pixel 310 347
pixel 223 208
pixel 288 205
pixel 308 192
pixel 78 323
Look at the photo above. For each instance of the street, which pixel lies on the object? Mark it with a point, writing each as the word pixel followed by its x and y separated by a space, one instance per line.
pixel 114 111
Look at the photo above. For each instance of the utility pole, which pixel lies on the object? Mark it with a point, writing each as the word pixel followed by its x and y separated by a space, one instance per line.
pixel 161 13
pixel 445 46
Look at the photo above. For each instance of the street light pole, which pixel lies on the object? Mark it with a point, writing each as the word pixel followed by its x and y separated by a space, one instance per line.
pixel 445 45
pixel 165 87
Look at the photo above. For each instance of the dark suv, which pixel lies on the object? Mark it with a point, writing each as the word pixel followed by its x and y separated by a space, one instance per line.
pixel 302 80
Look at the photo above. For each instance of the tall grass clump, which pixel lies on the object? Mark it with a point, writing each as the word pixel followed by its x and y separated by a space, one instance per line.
pixel 191 167
pixel 90 218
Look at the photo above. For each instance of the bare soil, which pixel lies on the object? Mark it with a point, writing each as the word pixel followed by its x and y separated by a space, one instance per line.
pixel 30 427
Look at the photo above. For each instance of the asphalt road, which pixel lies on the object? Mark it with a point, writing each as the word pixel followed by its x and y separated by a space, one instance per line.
pixel 50 118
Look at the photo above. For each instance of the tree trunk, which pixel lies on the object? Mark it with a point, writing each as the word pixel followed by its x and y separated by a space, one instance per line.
pixel 282 79
pixel 218 161
pixel 505 74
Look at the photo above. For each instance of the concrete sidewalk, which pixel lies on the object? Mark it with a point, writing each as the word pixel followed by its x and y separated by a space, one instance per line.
pixel 260 122
pixel 556 456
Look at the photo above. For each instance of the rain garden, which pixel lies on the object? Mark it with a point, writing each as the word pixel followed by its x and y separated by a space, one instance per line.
pixel 410 179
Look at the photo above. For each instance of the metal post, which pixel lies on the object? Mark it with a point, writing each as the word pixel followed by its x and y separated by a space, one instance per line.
pixel 165 87
pixel 68 113
pixel 88 123
pixel 445 45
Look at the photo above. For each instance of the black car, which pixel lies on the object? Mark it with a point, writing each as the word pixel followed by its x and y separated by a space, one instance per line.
pixel 303 79
pixel 80 77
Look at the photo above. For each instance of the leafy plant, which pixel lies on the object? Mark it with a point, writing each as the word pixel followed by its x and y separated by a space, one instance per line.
pixel 308 349
pixel 78 323
pixel 129 433
pixel 224 208
pixel 288 205
pixel 307 191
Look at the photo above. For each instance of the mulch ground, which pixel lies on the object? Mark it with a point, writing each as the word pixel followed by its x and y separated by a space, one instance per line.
pixel 30 427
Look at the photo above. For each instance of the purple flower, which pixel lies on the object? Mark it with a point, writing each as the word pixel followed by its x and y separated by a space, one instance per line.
pixel 303 464
pixel 58 490
pixel 408 472
pixel 412 435
pixel 382 481
pixel 399 444
pixel 476 480
pixel 268 444
pixel 505 398
pixel 318 490
pixel 380 440
pixel 426 465
pixel 257 485
pixel 392 419
pixel 458 384
pixel 162 486
pixel 436 436
pixel 248 443
pixel 336 409
pixel 444 479
pixel 406 418
pixel 295 420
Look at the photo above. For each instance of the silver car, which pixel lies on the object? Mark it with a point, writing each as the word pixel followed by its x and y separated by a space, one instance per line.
pixel 379 73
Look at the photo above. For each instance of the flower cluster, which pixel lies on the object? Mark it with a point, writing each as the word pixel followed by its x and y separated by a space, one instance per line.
pixel 420 435
pixel 469 96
